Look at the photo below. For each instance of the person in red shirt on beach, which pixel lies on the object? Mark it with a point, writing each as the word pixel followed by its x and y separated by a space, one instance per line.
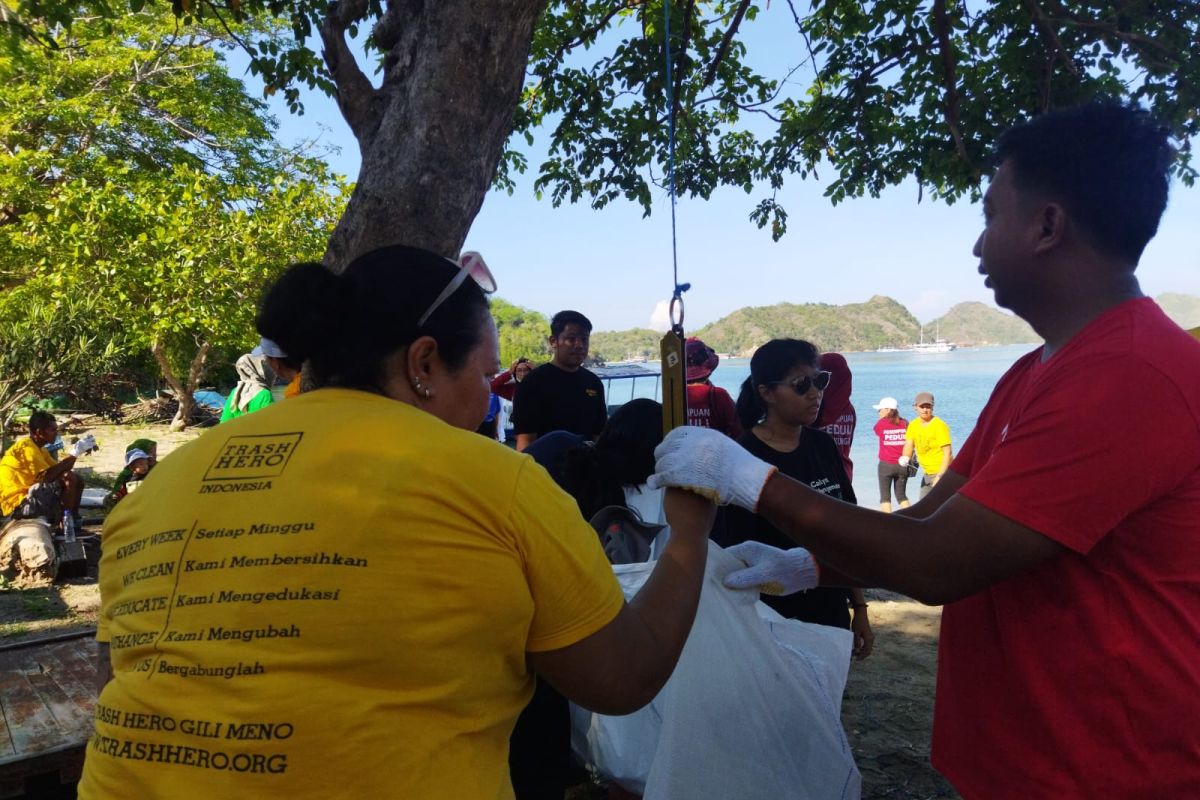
pixel 837 416
pixel 1069 657
pixel 504 385
pixel 708 406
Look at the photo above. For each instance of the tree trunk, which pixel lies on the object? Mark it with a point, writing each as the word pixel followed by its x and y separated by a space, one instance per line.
pixel 184 394
pixel 432 134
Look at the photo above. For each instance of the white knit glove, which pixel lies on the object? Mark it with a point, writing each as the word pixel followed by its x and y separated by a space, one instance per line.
pixel 903 461
pixel 84 445
pixel 709 463
pixel 771 570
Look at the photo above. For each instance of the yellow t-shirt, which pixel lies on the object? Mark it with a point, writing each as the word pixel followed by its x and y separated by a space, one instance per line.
pixel 928 441
pixel 20 468
pixel 294 611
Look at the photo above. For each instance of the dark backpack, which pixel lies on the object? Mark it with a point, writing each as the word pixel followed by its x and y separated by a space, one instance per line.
pixel 625 537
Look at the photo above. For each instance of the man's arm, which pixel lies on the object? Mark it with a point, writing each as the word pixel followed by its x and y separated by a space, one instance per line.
pixel 908 450
pixel 524 440
pixel 58 470
pixel 944 548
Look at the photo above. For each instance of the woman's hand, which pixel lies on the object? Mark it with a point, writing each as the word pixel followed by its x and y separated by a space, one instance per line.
pixel 864 637
pixel 688 513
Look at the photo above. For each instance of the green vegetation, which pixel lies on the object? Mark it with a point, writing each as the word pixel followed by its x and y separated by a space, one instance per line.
pixel 631 345
pixel 146 204
pixel 872 93
pixel 523 333
pixel 879 322
pixel 976 324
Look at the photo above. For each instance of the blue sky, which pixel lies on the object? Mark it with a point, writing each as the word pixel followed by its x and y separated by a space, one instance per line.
pixel 615 266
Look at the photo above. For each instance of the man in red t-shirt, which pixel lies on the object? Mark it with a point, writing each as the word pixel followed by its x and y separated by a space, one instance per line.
pixel 1069 661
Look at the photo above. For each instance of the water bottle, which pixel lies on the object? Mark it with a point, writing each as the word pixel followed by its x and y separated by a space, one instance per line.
pixel 68 527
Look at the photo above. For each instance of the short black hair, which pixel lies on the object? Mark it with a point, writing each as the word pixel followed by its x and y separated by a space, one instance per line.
pixel 40 420
pixel 1108 164
pixel 347 325
pixel 564 318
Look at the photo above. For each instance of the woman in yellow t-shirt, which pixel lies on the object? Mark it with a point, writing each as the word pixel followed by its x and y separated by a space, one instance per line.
pixel 290 614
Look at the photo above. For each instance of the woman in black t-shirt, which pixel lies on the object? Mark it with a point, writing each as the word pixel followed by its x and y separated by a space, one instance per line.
pixel 777 402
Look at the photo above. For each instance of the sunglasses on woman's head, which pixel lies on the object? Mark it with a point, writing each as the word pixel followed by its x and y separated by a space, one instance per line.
pixel 469 264
pixel 801 386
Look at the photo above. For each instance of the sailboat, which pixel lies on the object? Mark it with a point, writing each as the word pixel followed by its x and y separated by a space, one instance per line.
pixel 938 345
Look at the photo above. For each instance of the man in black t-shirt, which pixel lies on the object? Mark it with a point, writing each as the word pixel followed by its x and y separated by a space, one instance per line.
pixel 561 395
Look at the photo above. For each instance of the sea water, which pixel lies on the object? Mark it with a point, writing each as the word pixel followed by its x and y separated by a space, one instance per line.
pixel 960 381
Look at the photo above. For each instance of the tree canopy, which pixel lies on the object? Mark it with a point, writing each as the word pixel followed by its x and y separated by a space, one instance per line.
pixel 875 92
pixel 145 181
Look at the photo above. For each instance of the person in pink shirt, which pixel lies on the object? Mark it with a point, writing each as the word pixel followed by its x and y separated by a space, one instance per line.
pixel 890 429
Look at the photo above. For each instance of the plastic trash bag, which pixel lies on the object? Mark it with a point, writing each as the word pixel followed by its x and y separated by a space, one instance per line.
pixel 752 710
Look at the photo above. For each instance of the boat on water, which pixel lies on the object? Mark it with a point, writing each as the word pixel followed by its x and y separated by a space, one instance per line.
pixel 938 345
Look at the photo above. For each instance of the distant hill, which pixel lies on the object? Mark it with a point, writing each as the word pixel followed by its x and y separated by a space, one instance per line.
pixel 976 324
pixel 630 345
pixel 879 322
pixel 1184 309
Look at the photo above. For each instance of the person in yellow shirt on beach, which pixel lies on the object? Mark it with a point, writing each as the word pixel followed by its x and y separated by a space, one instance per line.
pixel 32 483
pixel 929 437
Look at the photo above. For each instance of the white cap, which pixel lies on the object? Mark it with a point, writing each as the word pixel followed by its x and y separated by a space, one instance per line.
pixel 134 455
pixel 887 402
pixel 268 348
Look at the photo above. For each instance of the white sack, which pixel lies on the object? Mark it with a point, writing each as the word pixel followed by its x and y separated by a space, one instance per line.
pixel 752 710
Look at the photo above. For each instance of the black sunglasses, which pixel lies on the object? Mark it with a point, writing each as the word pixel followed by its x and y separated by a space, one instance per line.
pixel 801 386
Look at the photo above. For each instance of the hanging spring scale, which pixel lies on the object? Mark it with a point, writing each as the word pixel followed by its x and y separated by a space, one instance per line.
pixel 674 377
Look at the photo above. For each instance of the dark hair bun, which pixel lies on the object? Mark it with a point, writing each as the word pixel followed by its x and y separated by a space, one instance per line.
pixel 303 310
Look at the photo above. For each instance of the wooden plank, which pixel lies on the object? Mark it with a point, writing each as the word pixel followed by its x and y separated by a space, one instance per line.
pixel 31 725
pixel 47 696
pixel 75 672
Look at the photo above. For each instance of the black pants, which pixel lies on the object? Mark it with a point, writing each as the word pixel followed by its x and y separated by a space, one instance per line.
pixel 890 474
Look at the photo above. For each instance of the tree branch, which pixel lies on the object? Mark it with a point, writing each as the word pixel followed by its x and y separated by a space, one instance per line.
pixel 941 25
pixel 1051 36
pixel 354 91
pixel 588 34
pixel 726 41
pixel 1061 15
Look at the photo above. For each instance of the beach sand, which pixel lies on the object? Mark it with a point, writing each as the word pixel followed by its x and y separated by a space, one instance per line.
pixel 887 709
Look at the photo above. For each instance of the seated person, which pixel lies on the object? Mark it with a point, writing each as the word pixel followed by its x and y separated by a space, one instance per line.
pixel 32 483
pixel 137 465
pixel 253 390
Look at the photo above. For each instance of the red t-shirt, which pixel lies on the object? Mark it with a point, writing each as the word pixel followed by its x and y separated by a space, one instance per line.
pixel 842 431
pixel 711 406
pixel 891 440
pixel 1080 678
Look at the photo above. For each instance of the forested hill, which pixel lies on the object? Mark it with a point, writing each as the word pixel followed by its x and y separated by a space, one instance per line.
pixel 977 324
pixel 879 322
